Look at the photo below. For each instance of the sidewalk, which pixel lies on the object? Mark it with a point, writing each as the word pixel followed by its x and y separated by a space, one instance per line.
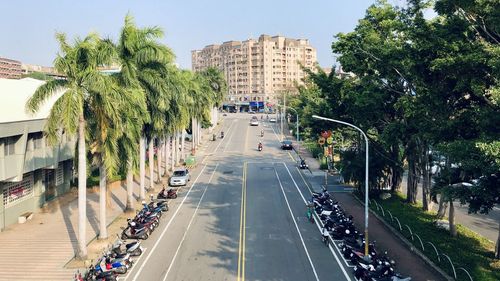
pixel 40 248
pixel 407 263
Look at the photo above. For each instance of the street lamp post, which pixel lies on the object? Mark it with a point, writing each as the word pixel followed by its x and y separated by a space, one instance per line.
pixel 366 173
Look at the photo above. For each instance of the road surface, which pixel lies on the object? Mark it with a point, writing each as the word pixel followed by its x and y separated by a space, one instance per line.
pixel 242 217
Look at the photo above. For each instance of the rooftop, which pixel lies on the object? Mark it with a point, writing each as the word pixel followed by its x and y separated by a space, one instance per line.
pixel 14 94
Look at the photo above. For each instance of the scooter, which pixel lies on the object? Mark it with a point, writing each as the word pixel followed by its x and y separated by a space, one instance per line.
pixel 260 147
pixel 161 204
pixel 221 135
pixel 134 248
pixel 262 133
pixel 303 164
pixel 119 267
pixel 170 194
pixel 134 231
pixel 93 275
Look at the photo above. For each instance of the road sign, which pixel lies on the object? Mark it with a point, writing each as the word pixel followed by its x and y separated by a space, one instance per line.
pixel 321 140
pixel 329 140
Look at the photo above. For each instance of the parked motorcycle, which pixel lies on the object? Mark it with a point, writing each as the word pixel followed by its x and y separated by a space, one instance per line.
pixel 106 264
pixel 135 231
pixel 167 194
pixel 93 275
pixel 133 248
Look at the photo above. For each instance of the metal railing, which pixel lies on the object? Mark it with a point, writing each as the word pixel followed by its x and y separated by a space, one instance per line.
pixel 395 221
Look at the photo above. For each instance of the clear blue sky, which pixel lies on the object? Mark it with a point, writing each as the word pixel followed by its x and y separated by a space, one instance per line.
pixel 27 28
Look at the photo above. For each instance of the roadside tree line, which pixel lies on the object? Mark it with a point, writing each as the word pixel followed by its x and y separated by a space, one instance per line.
pixel 426 92
pixel 147 101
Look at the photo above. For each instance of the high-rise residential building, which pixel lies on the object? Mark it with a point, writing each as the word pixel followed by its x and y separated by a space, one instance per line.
pixel 10 69
pixel 258 71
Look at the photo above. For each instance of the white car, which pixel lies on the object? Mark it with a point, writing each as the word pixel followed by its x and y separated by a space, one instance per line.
pixel 272 120
pixel 254 122
pixel 180 177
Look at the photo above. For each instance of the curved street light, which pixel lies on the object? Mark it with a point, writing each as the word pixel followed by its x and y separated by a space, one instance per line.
pixel 366 172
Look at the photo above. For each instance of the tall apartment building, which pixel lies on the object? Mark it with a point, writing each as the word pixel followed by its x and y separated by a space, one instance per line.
pixel 10 69
pixel 257 71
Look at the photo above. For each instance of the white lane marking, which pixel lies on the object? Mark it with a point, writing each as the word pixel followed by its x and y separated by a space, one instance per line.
pixel 135 262
pixel 230 137
pixel 166 227
pixel 228 130
pixel 189 225
pixel 297 227
pixel 319 228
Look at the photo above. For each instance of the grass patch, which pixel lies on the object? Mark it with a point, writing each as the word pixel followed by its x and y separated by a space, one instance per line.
pixel 467 250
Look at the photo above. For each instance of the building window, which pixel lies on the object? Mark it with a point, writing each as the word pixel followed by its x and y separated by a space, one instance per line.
pixel 60 174
pixel 37 140
pixel 14 192
pixel 9 145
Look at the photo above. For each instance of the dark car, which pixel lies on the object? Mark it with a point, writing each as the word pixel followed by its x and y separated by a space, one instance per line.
pixel 286 145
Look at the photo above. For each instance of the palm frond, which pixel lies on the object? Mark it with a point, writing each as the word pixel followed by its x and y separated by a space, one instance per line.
pixel 43 93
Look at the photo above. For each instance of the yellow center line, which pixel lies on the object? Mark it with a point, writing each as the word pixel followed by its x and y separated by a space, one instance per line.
pixel 244 226
pixel 289 154
pixel 241 246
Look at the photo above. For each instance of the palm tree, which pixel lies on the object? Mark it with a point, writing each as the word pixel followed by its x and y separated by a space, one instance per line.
pixel 200 92
pixel 142 59
pixel 79 63
pixel 218 86
pixel 133 119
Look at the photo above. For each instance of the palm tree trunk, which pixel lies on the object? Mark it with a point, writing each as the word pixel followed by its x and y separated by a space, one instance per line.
pixel 103 232
pixel 183 136
pixel 176 148
pixel 193 133
pixel 142 166
pixel 168 157
pixel 198 125
pixel 130 187
pixel 159 159
pixel 165 153
pixel 82 191
pixel 172 152
pixel 151 163
pixel 451 219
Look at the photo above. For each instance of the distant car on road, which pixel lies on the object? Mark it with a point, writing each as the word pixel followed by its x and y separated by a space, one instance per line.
pixel 251 112
pixel 272 120
pixel 224 114
pixel 180 177
pixel 286 145
pixel 254 122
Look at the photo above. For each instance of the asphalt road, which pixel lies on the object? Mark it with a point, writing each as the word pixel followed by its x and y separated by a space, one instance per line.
pixel 242 217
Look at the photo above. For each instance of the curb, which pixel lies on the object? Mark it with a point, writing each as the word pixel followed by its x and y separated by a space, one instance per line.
pixel 408 244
